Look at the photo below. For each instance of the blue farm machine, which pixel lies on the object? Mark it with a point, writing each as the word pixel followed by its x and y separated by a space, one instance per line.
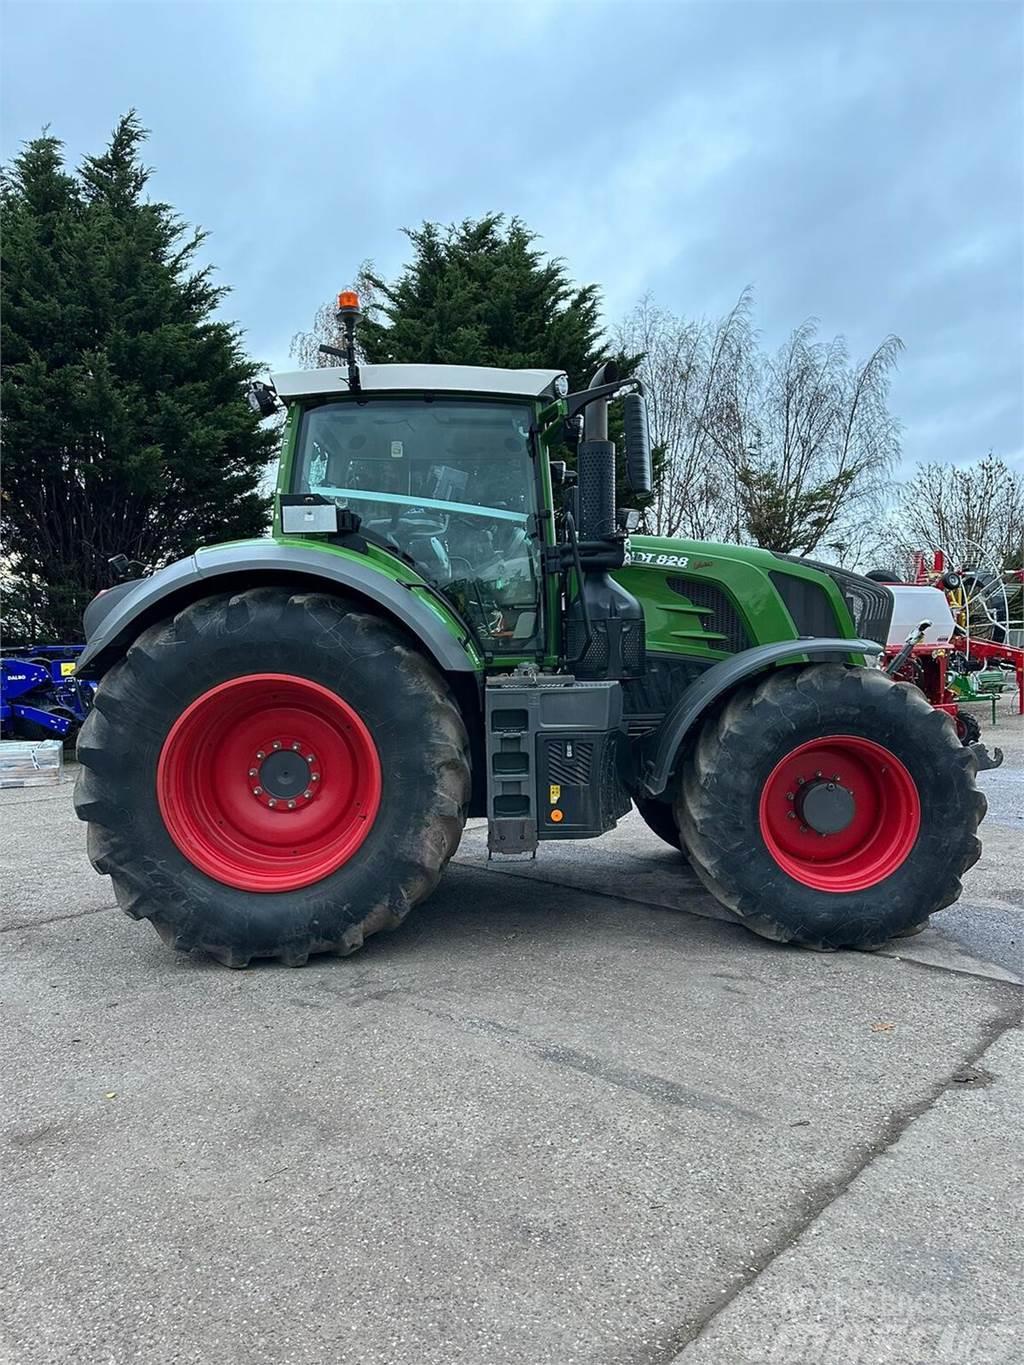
pixel 40 696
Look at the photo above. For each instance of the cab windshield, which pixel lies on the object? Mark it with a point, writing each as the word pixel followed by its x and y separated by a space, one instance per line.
pixel 449 484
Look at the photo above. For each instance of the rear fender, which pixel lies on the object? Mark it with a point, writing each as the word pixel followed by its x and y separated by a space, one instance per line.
pixel 114 619
pixel 657 769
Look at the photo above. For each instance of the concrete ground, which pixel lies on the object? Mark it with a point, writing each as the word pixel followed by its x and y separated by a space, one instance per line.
pixel 567 1115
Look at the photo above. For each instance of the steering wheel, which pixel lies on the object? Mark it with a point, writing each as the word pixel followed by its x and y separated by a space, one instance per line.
pixel 418 522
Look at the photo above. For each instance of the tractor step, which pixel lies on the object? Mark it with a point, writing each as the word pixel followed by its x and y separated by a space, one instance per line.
pixel 555 754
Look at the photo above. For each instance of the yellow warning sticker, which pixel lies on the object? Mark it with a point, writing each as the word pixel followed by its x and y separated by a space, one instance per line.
pixel 66 670
pixel 554 792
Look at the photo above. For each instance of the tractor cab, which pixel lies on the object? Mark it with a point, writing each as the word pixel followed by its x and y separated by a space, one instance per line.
pixel 446 479
pixel 448 469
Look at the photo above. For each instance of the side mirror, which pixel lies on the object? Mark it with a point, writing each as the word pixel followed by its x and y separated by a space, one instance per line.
pixel 639 468
pixel 262 398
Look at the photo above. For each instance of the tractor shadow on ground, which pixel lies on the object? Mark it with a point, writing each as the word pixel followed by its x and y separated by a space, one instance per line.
pixel 481 915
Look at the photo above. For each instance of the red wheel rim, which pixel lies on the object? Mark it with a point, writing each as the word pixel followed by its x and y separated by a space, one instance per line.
pixel 268 782
pixel 840 813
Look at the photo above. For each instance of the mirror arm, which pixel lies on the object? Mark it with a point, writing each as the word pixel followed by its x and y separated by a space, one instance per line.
pixel 576 402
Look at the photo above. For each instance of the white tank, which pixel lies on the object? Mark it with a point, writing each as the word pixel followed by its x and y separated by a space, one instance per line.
pixel 916 604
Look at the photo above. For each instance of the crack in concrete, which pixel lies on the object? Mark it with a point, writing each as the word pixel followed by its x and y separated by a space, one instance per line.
pixel 55 919
pixel 644 1083
pixel 818 1201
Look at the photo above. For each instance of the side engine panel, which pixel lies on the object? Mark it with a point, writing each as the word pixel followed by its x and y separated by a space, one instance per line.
pixel 704 603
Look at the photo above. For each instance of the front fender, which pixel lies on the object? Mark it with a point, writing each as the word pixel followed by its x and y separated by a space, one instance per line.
pixel 115 618
pixel 722 678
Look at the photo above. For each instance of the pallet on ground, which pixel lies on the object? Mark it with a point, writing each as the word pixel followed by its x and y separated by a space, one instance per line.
pixel 31 763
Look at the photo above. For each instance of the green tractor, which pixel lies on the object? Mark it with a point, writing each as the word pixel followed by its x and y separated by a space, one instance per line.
pixel 447 621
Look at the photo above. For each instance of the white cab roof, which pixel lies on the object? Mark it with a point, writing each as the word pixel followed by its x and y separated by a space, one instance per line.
pixel 477 379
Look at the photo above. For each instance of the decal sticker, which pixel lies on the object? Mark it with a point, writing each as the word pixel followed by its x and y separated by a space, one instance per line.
pixel 660 560
pixel 554 792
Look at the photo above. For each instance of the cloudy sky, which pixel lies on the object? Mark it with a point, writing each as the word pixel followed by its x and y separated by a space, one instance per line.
pixel 858 162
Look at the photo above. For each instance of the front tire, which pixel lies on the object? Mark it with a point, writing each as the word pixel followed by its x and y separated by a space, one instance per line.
pixel 272 775
pixel 830 807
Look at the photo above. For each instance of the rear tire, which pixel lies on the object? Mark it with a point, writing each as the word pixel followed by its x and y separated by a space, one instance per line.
pixel 288 857
pixel 659 817
pixel 968 729
pixel 751 817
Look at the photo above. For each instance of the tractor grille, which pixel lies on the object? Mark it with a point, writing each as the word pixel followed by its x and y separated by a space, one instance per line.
pixel 724 619
pixel 569 761
pixel 870 603
pixel 807 603
pixel 595 660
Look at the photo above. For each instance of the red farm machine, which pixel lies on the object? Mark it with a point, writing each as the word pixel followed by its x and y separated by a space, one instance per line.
pixel 957 635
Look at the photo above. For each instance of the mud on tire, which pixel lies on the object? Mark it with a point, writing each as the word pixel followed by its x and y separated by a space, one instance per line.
pixel 741 752
pixel 340 649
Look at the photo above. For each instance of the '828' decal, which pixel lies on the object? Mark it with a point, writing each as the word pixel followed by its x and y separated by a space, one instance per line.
pixel 658 560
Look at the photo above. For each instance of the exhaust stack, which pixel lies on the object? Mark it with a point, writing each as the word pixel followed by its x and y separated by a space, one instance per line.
pixel 604 622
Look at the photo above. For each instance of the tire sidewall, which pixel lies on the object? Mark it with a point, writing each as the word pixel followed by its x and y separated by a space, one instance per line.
pixel 362 660
pixel 922 739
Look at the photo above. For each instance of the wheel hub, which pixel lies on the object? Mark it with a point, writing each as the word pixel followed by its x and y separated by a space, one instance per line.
pixel 840 813
pixel 283 775
pixel 825 807
pixel 253 749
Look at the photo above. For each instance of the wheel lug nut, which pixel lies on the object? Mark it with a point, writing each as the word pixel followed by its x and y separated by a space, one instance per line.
pixel 277 744
pixel 314 777
pixel 789 796
pixel 307 795
pixel 271 803
pixel 260 753
pixel 253 772
pixel 296 747
pixel 310 758
pixel 257 791
pixel 291 805
pixel 791 816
